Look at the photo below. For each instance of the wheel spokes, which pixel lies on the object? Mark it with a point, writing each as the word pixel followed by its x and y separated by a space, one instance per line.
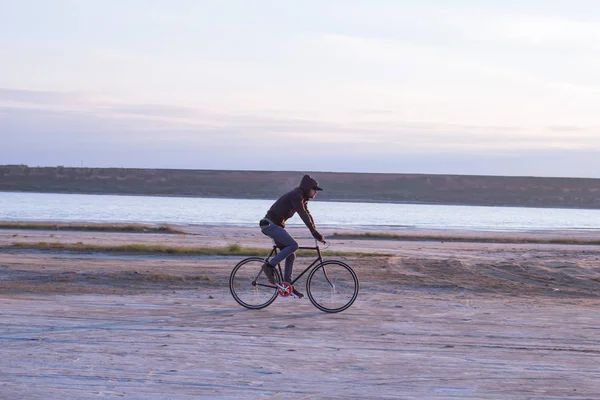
pixel 332 286
pixel 249 286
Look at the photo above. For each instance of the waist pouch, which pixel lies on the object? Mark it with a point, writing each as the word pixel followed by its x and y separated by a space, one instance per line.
pixel 265 222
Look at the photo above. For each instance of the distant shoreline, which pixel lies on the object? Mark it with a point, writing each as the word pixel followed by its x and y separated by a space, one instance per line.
pixel 31 235
pixel 362 232
pixel 422 189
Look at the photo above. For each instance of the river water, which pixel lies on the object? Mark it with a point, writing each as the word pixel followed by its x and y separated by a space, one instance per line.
pixel 16 206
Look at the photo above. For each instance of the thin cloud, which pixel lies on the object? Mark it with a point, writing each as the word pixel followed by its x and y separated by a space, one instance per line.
pixel 71 139
pixel 550 32
pixel 39 97
pixel 155 123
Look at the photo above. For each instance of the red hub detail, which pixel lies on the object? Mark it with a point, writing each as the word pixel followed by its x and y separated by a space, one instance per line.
pixel 284 289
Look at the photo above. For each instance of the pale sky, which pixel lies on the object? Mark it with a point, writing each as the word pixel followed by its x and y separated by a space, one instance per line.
pixel 429 86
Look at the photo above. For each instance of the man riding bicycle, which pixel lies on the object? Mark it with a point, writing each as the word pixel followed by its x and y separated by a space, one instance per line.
pixel 273 225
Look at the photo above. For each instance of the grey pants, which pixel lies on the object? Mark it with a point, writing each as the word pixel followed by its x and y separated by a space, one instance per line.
pixel 288 246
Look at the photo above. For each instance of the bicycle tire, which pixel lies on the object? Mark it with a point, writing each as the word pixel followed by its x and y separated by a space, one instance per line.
pixel 249 286
pixel 332 286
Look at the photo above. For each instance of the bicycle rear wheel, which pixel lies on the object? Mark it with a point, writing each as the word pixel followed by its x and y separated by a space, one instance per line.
pixel 332 286
pixel 249 285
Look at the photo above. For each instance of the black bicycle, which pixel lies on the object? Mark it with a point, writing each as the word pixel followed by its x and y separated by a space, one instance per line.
pixel 332 286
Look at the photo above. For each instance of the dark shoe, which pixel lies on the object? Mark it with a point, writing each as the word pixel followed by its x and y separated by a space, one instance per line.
pixel 269 271
pixel 297 294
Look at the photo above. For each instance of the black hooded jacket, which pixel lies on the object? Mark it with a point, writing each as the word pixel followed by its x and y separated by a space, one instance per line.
pixel 293 202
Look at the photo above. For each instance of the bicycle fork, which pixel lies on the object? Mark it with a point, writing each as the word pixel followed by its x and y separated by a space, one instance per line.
pixel 327 278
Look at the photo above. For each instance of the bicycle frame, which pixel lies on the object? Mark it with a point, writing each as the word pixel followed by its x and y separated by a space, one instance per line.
pixel 318 260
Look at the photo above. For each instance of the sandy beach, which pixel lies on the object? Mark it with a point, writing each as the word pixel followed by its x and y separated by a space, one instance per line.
pixel 433 320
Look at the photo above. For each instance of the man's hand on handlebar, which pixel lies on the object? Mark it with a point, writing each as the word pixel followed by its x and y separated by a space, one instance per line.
pixel 318 236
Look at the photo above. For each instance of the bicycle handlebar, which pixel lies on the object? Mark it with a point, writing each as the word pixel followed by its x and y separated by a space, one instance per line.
pixel 325 243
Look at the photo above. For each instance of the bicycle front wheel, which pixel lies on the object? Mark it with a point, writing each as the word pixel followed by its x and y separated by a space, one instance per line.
pixel 249 286
pixel 332 286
